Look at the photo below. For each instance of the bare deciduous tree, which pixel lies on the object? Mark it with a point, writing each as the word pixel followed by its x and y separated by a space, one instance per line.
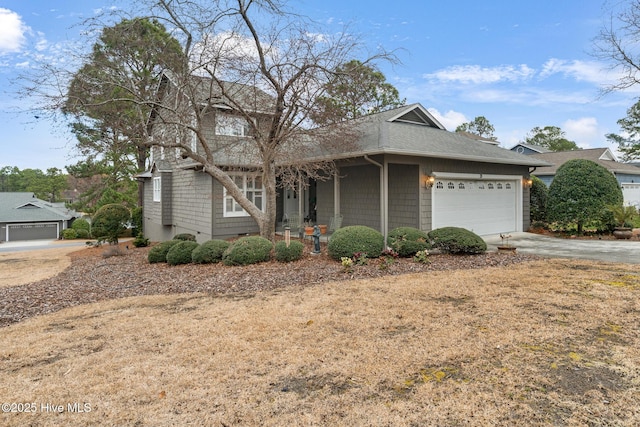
pixel 270 67
pixel 617 44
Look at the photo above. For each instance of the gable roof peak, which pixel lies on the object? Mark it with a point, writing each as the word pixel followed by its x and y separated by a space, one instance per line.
pixel 415 114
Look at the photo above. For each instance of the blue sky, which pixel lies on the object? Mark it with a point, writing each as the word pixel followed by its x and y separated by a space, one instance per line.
pixel 519 64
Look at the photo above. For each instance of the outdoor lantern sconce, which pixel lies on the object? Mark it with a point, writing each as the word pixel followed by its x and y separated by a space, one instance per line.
pixel 428 181
pixel 527 182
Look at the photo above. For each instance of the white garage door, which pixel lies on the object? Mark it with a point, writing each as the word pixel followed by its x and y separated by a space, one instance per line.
pixel 631 194
pixel 482 206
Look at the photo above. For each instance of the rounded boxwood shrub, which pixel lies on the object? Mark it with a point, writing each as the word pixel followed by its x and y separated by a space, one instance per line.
pixel 355 238
pixel 210 251
pixel 69 234
pixel 185 236
pixel 180 253
pixel 83 234
pixel 291 253
pixel 248 250
pixel 456 240
pixel 81 224
pixel 407 241
pixel 158 253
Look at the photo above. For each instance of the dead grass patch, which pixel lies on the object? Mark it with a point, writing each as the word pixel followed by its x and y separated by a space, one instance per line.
pixel 541 343
pixel 31 266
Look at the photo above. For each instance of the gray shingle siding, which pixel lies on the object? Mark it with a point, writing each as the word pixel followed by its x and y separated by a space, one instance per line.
pixel 360 195
pixel 404 182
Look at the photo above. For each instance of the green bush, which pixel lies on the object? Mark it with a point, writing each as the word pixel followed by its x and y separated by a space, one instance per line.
pixel 291 253
pixel 406 241
pixel 83 234
pixel 180 253
pixel 185 236
pixel 69 234
pixel 580 193
pixel 347 241
pixel 210 251
pixel 140 241
pixel 158 253
pixel 81 224
pixel 248 250
pixel 110 221
pixel 538 196
pixel 456 240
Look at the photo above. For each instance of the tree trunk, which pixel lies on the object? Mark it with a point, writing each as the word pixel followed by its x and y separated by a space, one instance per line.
pixel 268 224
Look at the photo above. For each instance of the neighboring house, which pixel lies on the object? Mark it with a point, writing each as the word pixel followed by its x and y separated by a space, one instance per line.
pixel 25 217
pixel 406 170
pixel 523 148
pixel 627 174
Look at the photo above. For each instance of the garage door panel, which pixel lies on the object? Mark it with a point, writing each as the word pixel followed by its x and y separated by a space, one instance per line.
pixel 40 231
pixel 484 207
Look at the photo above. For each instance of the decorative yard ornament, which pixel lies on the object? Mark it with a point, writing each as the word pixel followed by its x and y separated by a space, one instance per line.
pixel 316 239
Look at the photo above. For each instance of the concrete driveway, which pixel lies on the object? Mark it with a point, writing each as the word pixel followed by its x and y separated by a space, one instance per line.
pixel 625 251
pixel 30 245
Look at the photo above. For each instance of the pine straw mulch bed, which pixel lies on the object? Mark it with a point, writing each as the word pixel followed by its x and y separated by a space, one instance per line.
pixel 95 275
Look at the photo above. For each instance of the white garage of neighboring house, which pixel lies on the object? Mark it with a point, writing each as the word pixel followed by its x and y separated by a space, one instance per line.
pixel 25 217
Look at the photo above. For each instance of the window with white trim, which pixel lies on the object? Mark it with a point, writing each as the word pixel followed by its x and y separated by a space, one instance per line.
pixel 252 188
pixel 231 125
pixel 157 189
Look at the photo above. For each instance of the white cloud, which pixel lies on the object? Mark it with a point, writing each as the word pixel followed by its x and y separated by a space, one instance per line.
pixel 450 120
pixel 12 31
pixel 588 71
pixel 584 131
pixel 475 74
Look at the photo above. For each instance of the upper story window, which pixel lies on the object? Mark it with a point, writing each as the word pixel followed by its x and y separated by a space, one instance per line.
pixel 157 189
pixel 231 125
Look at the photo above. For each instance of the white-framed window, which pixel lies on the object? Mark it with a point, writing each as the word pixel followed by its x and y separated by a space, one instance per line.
pixel 252 188
pixel 157 189
pixel 231 125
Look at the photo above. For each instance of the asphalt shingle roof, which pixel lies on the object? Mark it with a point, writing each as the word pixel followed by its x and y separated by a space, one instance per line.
pixel 598 155
pixel 25 207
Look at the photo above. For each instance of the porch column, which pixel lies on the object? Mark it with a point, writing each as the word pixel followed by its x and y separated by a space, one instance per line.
pixel 336 194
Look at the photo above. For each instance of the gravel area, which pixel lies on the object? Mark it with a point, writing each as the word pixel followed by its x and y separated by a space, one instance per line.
pixel 94 276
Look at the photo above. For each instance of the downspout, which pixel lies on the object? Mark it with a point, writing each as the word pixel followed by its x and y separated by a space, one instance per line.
pixel 384 202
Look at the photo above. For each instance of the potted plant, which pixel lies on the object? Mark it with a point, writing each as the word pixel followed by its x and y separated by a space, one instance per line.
pixel 623 216
pixel 506 246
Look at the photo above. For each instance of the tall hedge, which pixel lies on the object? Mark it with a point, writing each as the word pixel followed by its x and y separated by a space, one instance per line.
pixel 580 193
pixel 539 195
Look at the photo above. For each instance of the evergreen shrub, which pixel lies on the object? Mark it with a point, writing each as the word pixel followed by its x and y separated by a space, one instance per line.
pixel 185 236
pixel 210 251
pixel 291 253
pixel 181 253
pixel 456 240
pixel 349 240
pixel 248 250
pixel 158 253
pixel 407 241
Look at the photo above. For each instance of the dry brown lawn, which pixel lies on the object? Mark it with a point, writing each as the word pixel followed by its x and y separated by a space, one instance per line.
pixel 19 268
pixel 552 342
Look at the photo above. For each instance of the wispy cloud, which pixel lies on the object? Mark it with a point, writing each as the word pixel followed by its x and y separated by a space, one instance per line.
pixel 12 31
pixel 585 131
pixel 581 71
pixel 475 74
